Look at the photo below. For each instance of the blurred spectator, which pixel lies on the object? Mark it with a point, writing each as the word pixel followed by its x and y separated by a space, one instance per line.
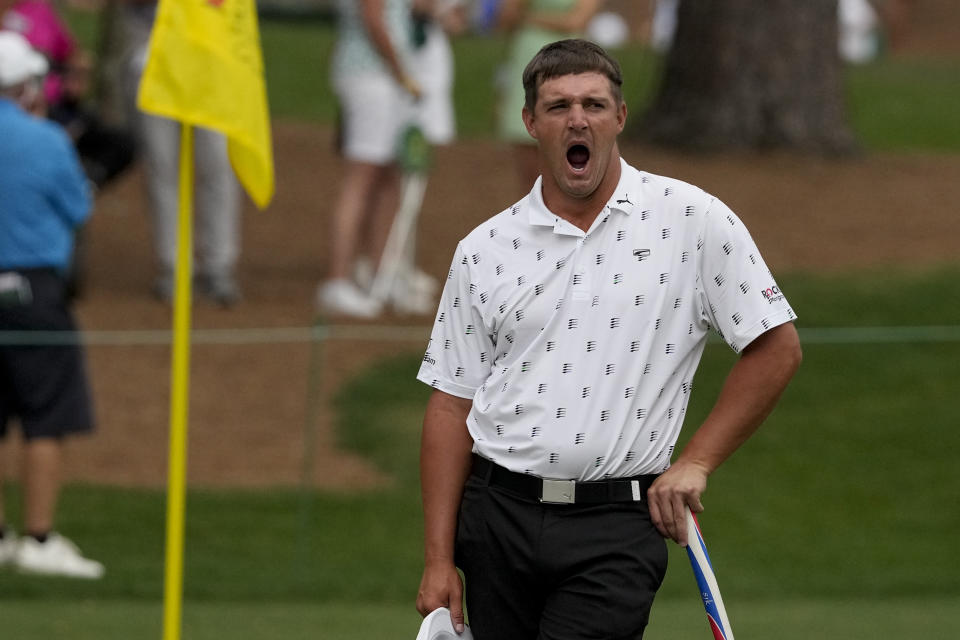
pixel 432 66
pixel 45 198
pixel 485 13
pixel 609 29
pixel 663 24
pixel 105 151
pixel 865 26
pixel 217 192
pixel 869 27
pixel 533 24
pixel 373 79
pixel 859 28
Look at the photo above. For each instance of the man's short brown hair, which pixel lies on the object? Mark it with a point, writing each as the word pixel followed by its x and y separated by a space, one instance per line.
pixel 566 57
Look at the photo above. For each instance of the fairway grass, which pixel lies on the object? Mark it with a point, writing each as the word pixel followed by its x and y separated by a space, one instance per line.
pixel 672 619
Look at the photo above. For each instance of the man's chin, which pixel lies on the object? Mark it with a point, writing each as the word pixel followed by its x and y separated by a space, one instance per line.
pixel 579 185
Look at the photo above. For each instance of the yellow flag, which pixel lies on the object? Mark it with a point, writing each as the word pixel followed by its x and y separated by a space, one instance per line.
pixel 205 68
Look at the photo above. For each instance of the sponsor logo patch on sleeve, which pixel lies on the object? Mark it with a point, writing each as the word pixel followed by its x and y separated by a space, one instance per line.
pixel 772 294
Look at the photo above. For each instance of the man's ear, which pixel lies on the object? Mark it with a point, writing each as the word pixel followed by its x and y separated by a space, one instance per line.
pixel 528 122
pixel 622 115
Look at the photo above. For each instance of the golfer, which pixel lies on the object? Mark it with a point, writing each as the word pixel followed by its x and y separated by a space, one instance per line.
pixel 562 360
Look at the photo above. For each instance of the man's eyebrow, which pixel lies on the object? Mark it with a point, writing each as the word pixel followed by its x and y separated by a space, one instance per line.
pixel 592 98
pixel 597 98
pixel 559 100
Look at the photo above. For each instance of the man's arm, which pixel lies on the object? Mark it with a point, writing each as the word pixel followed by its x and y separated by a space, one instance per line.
pixel 444 465
pixel 749 394
pixel 574 20
pixel 371 12
pixel 69 189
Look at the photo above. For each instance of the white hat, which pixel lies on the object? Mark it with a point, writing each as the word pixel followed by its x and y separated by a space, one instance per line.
pixel 18 61
pixel 437 626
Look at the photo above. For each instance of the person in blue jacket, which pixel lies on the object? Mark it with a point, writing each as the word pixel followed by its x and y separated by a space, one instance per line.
pixel 44 198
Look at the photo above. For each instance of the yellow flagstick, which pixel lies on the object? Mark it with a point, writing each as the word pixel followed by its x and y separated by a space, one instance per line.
pixel 204 69
pixel 179 397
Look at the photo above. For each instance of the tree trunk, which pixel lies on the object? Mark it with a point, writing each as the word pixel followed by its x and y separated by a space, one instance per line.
pixel 748 74
pixel 108 90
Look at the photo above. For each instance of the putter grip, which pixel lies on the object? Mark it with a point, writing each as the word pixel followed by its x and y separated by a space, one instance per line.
pixel 706 581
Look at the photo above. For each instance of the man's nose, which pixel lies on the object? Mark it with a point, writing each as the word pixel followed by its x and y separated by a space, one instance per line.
pixel 577 117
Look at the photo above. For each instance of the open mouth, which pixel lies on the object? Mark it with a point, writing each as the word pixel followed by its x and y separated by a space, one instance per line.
pixel 577 156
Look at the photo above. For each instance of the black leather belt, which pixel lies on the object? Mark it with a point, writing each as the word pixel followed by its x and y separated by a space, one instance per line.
pixel 561 491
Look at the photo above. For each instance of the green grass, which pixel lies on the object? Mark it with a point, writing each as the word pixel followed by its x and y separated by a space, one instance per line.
pixel 894 104
pixel 912 104
pixel 876 298
pixel 850 619
pixel 296 62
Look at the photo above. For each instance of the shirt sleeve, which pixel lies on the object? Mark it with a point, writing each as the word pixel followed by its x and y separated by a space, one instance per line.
pixel 70 189
pixel 738 294
pixel 458 356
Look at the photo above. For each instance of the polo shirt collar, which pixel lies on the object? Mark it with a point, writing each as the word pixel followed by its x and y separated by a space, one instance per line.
pixel 621 200
pixel 539 215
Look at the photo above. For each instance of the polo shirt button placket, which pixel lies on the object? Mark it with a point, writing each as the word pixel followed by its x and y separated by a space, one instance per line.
pixel 580 290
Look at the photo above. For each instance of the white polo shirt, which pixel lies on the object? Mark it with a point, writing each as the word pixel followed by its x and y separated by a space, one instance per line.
pixel 579 349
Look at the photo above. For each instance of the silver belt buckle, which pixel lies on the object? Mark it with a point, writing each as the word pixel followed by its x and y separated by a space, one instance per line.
pixel 558 492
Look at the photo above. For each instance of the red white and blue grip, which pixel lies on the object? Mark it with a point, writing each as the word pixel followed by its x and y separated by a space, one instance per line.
pixel 707 581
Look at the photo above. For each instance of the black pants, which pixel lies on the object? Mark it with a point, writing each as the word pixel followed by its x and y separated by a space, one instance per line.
pixel 45 385
pixel 556 572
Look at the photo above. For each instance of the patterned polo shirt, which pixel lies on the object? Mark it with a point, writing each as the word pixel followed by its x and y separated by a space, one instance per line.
pixel 579 349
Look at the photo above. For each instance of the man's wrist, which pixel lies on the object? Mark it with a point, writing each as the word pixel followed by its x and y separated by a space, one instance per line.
pixel 438 559
pixel 695 464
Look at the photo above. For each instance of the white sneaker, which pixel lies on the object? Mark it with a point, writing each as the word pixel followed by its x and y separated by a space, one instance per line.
pixel 413 293
pixel 58 556
pixel 343 297
pixel 423 283
pixel 8 547
pixel 363 272
pixel 410 301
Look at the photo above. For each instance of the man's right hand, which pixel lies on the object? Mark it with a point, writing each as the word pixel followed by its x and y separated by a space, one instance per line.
pixel 411 86
pixel 441 587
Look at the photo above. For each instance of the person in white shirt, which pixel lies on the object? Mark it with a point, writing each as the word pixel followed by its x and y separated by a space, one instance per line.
pixel 562 360
pixel 371 73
